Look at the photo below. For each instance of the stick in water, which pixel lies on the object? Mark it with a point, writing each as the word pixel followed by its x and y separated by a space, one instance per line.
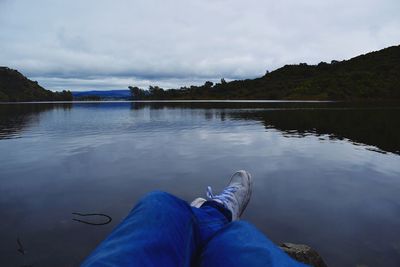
pixel 109 219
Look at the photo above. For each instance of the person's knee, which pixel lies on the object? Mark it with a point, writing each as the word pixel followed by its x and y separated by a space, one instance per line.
pixel 158 204
pixel 157 194
pixel 160 199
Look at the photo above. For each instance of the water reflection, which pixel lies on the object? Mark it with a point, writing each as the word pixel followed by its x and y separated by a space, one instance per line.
pixel 15 117
pixel 312 184
pixel 367 123
pixel 371 124
pixel 373 127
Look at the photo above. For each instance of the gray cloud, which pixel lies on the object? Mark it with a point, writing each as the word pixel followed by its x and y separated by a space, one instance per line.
pixel 110 44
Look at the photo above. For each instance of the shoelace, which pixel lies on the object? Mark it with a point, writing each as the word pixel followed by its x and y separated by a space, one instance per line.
pixel 226 195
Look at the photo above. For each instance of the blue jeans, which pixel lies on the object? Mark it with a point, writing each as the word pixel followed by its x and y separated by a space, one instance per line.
pixel 163 230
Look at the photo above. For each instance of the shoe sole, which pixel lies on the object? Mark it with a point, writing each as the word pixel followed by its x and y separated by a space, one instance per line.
pixel 249 181
pixel 198 202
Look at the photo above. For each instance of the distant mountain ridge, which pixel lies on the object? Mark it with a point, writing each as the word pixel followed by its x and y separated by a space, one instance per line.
pixel 16 87
pixel 115 94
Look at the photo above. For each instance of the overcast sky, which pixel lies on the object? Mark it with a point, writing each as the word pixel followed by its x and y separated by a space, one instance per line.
pixel 95 44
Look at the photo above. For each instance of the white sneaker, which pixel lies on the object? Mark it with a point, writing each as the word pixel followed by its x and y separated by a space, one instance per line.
pixel 236 195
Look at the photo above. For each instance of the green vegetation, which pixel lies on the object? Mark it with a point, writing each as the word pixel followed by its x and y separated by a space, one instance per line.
pixel 16 87
pixel 374 76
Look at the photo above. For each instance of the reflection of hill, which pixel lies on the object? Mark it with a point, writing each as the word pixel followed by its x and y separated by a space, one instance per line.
pixel 15 117
pixel 375 127
pixel 364 124
pixel 225 104
pixel 360 123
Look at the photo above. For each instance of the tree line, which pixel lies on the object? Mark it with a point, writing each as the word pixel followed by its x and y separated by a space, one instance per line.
pixel 373 76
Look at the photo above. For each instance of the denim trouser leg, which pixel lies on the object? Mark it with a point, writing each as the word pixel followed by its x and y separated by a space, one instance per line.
pixel 163 230
pixel 210 219
pixel 241 244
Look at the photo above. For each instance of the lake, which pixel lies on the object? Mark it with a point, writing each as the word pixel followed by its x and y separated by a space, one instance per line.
pixel 325 174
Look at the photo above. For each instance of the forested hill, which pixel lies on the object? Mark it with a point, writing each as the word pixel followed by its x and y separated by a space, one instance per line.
pixel 16 87
pixel 373 76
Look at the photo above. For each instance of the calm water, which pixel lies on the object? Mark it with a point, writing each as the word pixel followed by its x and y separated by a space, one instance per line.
pixel 326 174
